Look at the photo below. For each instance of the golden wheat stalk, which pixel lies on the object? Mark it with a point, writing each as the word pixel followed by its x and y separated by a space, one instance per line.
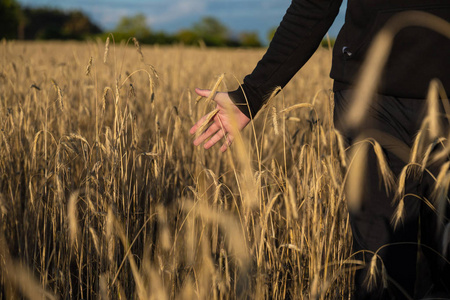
pixel 386 173
pixel 433 110
pixel 105 54
pixel 372 275
pixel 399 213
pixel 24 280
pixel 213 90
pixel 72 216
pixel 441 191
pixel 300 105
pixel 89 66
pixel 235 237
pixel 206 123
pixel 275 121
pixel 141 291
pixel 356 174
pixel 138 48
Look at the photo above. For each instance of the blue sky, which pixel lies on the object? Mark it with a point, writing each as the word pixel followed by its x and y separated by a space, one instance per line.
pixel 172 15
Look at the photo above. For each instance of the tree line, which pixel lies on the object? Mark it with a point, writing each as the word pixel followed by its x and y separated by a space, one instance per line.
pixel 208 31
pixel 26 23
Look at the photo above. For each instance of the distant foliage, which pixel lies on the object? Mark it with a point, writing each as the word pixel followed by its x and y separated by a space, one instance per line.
pixel 250 39
pixel 208 31
pixel 211 31
pixel 9 18
pixel 44 23
pixel 79 26
pixel 52 24
pixel 135 26
pixel 187 37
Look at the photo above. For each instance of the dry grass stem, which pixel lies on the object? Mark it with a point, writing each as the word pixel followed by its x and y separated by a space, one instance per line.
pixel 72 216
pixel 357 170
pixel 207 122
pixel 275 121
pixel 213 90
pixel 138 48
pixel 433 110
pixel 105 54
pixel 89 66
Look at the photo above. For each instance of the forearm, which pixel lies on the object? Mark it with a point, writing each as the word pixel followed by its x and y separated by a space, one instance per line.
pixel 296 39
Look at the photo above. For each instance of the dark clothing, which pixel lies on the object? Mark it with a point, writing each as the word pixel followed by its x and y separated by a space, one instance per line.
pixel 418 54
pixel 411 252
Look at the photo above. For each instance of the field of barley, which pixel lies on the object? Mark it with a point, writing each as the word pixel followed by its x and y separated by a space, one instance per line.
pixel 103 195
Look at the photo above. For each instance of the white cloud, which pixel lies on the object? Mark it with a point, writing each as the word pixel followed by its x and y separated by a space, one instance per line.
pixel 108 17
pixel 176 10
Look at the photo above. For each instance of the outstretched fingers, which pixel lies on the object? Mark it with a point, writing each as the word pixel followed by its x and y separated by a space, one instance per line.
pixel 217 137
pixel 212 129
pixel 216 126
pixel 196 126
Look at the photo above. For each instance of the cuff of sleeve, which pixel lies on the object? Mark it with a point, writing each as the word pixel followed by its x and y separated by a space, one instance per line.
pixel 243 97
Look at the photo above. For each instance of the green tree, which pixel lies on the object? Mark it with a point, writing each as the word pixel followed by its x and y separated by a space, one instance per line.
pixel 187 37
pixel 45 23
pixel 9 18
pixel 249 39
pixel 135 26
pixel 78 26
pixel 212 31
pixel 160 38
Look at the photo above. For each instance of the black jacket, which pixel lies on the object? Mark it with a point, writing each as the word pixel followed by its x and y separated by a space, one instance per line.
pixel 418 54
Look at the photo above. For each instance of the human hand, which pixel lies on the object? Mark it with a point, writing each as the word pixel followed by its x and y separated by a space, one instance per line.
pixel 221 125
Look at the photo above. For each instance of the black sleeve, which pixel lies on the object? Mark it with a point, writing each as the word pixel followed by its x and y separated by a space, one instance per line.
pixel 295 41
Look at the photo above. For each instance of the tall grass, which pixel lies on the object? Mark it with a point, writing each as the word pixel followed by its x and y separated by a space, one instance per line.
pixel 103 195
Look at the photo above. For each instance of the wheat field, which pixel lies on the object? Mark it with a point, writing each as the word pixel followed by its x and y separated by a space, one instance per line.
pixel 103 195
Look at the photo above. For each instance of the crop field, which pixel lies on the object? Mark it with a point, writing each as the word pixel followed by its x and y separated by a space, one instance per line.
pixel 103 195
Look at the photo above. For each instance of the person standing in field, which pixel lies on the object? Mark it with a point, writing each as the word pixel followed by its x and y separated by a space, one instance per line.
pixel 414 254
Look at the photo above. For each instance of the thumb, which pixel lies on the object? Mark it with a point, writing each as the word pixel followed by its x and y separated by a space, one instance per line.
pixel 203 93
